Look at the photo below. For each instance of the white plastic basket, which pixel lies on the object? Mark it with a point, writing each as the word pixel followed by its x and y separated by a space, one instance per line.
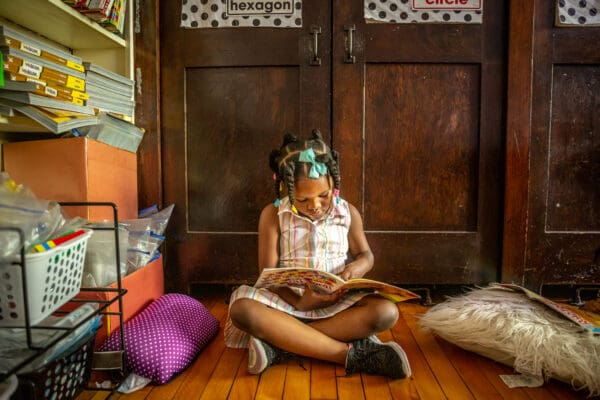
pixel 53 278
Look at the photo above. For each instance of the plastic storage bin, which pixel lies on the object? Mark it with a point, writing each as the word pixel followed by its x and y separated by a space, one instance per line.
pixel 62 379
pixel 53 278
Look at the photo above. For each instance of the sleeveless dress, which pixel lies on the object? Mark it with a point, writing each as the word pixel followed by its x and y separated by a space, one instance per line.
pixel 321 244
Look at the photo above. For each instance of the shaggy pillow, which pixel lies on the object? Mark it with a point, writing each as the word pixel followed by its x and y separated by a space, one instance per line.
pixel 163 339
pixel 509 328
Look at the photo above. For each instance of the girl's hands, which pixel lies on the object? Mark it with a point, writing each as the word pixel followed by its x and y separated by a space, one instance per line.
pixel 312 300
pixel 353 270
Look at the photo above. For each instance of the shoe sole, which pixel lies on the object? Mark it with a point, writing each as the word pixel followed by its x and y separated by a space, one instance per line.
pixel 257 358
pixel 400 351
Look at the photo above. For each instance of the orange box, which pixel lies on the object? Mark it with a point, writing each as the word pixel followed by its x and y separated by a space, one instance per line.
pixel 143 286
pixel 76 169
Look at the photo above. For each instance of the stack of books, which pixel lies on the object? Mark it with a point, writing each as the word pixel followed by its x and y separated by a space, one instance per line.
pixel 114 131
pixel 108 13
pixel 109 92
pixel 43 82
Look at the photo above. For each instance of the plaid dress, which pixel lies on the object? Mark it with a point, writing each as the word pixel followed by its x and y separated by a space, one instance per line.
pixel 321 244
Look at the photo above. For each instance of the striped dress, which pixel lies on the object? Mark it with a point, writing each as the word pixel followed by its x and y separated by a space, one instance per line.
pixel 321 244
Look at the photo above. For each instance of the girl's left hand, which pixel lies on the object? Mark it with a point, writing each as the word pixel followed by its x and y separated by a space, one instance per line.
pixel 352 270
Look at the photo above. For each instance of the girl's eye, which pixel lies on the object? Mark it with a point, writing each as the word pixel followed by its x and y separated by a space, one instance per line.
pixel 325 195
pixel 300 200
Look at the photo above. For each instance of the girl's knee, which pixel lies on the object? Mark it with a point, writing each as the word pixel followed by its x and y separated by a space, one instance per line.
pixel 387 314
pixel 240 313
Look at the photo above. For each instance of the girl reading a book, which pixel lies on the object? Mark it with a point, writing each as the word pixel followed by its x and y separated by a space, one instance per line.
pixel 312 226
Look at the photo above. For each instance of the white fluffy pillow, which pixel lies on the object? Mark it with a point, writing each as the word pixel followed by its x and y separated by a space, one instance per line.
pixel 509 328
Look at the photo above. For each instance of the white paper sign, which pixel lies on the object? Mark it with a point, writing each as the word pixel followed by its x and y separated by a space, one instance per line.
pixel 241 13
pixel 446 4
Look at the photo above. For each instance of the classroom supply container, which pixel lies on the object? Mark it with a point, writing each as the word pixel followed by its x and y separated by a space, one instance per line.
pixel 53 277
pixel 63 378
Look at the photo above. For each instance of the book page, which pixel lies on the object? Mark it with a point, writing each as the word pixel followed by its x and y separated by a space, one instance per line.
pixel 299 277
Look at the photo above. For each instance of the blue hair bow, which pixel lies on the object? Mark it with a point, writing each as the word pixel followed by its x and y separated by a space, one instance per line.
pixel 317 168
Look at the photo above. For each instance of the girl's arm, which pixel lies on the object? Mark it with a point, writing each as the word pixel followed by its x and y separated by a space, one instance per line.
pixel 359 248
pixel 268 238
pixel 268 257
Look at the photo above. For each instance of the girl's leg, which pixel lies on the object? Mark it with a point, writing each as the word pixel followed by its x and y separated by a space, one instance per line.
pixel 323 339
pixel 370 315
pixel 286 332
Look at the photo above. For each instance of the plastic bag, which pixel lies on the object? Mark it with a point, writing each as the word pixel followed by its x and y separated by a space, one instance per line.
pixel 19 208
pixel 146 235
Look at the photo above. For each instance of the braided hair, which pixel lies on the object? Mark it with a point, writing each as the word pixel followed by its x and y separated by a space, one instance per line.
pixel 285 163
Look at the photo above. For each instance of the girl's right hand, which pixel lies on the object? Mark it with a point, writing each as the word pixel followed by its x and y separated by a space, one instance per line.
pixel 312 300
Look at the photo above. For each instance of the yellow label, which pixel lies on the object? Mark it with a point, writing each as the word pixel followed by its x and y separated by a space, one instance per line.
pixel 61 119
pixel 74 65
pixel 75 83
pixel 80 95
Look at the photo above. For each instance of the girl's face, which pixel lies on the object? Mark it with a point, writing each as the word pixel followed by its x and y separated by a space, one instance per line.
pixel 313 196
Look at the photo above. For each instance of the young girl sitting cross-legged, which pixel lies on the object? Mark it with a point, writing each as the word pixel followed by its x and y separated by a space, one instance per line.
pixel 313 227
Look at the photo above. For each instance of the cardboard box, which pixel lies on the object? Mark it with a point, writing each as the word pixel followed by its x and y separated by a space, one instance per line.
pixel 76 169
pixel 143 286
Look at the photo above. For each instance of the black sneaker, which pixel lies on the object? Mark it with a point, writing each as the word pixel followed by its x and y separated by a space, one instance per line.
pixel 366 355
pixel 261 355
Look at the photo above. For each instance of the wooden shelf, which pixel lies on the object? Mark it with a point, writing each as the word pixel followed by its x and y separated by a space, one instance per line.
pixel 60 23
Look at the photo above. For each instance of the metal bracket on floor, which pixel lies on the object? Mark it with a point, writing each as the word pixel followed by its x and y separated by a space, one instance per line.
pixel 426 297
pixel 578 301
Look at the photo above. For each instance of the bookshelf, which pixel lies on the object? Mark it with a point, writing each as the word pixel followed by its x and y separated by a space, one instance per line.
pixel 57 23
pixel 60 23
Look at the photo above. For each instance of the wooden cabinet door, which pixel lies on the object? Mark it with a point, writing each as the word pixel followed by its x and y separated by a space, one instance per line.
pixel 227 96
pixel 418 121
pixel 552 234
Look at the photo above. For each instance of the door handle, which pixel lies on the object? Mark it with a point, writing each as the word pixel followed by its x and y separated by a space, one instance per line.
pixel 315 31
pixel 350 58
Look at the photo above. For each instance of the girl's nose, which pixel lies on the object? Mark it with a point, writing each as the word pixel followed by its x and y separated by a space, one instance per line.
pixel 314 204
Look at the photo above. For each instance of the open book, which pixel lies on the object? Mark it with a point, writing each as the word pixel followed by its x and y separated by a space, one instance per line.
pixel 326 282
pixel 587 320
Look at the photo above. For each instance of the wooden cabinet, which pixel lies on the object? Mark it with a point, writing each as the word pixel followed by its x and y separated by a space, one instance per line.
pixel 515 197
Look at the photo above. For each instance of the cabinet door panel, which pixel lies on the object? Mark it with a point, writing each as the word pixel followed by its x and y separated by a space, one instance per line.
pixel 563 219
pixel 418 123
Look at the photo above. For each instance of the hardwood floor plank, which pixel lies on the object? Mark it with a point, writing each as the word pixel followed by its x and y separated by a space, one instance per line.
pixel 271 383
pixel 137 395
pixel 404 389
pixel 564 391
pixel 323 384
pixel 447 376
pixel 297 381
pixel 349 387
pixel 492 371
pixel 221 380
pixel 245 384
pixel 200 371
pixel 422 377
pixel 477 382
pixel 376 387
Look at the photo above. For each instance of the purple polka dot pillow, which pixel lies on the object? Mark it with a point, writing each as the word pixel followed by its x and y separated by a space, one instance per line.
pixel 163 339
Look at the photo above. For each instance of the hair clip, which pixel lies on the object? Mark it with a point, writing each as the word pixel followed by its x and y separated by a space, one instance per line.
pixel 294 209
pixel 336 194
pixel 276 204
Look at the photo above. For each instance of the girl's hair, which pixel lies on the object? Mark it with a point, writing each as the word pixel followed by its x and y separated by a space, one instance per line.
pixel 287 167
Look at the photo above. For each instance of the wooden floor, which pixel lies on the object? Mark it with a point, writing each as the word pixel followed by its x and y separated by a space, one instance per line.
pixel 440 371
